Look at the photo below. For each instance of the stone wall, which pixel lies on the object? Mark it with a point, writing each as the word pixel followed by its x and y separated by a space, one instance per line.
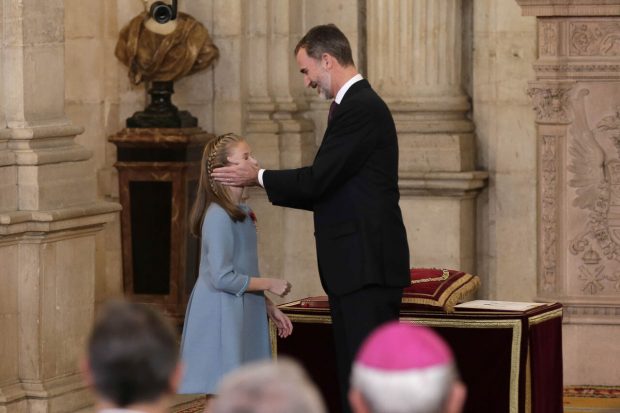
pixel 459 118
pixel 50 218
pixel 255 89
pixel 506 141
pixel 96 91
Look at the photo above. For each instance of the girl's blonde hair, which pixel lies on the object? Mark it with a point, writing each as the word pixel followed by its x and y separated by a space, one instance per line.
pixel 215 155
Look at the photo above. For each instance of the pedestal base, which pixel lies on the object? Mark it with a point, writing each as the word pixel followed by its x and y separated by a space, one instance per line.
pixel 179 119
pixel 161 113
pixel 158 170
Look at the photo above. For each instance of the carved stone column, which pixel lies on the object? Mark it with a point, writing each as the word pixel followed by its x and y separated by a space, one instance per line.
pixel 274 105
pixel 48 219
pixel 576 96
pixel 8 173
pixel 414 62
pixel 280 137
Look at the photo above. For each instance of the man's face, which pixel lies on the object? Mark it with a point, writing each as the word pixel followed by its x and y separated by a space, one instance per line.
pixel 315 75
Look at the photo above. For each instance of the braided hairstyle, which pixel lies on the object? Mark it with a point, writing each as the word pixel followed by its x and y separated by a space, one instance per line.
pixel 215 155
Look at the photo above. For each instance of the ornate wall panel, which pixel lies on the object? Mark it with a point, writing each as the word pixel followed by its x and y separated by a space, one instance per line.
pixel 594 192
pixel 576 97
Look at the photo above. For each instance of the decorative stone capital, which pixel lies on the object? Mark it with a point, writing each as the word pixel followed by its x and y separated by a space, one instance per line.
pixel 551 102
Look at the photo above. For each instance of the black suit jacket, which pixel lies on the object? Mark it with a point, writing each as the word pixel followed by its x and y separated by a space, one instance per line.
pixel 352 187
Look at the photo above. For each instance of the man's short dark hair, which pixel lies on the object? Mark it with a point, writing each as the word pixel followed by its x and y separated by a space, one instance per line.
pixel 329 39
pixel 132 354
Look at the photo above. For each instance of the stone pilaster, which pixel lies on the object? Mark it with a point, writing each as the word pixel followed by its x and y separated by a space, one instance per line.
pixel 575 96
pixel 8 174
pixel 48 219
pixel 414 62
pixel 280 136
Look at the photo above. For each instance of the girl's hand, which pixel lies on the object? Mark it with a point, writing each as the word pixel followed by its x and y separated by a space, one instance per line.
pixel 282 322
pixel 279 287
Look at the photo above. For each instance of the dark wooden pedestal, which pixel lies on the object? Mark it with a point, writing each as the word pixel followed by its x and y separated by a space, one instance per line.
pixel 158 171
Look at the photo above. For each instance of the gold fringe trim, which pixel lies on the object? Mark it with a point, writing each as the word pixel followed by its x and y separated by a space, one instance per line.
pixel 468 287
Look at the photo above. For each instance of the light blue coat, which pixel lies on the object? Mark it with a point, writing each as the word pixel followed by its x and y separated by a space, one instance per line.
pixel 224 326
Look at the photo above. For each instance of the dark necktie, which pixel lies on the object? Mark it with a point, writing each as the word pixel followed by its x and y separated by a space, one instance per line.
pixel 332 108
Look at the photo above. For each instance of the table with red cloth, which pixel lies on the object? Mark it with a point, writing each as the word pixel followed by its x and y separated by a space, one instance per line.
pixel 510 361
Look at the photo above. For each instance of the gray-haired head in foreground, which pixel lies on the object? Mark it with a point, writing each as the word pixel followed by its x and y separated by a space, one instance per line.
pixel 268 387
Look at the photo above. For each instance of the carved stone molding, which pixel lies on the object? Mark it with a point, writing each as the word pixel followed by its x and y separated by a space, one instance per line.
pixel 12 393
pixel 569 7
pixel 16 223
pixel 40 395
pixel 577 70
pixel 447 184
pixel 590 313
pixel 548 35
pixel 549 213
pixel 551 102
pixel 594 38
pixel 48 144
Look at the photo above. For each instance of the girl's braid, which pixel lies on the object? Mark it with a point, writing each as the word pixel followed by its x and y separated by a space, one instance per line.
pixel 217 147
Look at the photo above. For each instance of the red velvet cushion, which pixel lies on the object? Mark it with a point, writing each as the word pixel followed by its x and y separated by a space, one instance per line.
pixel 431 289
pixel 440 289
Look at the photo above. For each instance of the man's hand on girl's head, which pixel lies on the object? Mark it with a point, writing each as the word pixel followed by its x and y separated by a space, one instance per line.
pixel 239 173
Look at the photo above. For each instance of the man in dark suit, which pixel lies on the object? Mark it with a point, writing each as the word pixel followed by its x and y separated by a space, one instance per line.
pixel 352 188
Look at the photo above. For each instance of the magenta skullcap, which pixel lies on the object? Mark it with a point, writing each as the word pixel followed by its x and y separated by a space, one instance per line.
pixel 397 346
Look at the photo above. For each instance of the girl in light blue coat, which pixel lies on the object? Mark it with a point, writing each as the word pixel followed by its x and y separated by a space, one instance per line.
pixel 226 320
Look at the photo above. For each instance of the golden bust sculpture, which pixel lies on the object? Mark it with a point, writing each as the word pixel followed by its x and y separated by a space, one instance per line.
pixel 160 52
pixel 164 52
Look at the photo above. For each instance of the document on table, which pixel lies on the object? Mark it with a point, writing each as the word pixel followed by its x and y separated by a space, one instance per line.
pixel 499 305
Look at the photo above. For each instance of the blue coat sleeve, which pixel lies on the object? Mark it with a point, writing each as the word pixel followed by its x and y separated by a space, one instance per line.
pixel 218 243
